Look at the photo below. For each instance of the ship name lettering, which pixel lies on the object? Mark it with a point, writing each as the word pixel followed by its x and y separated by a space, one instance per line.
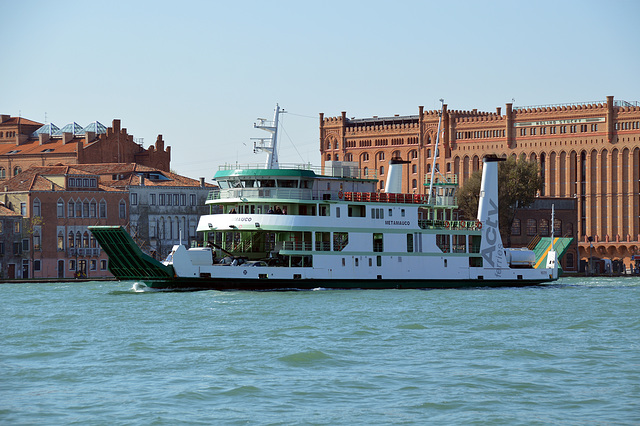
pixel 397 222
pixel 243 219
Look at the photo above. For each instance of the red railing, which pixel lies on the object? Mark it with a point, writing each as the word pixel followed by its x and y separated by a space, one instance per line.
pixel 378 197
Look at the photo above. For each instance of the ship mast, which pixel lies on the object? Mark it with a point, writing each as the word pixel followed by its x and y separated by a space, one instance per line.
pixel 269 145
pixel 435 154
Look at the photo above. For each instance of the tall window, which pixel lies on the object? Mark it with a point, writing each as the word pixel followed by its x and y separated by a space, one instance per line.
pixel 60 241
pixel 71 240
pixel 36 237
pixel 3 173
pixel 515 227
pixel 60 209
pixel 85 208
pixel 78 239
pixel 23 209
pixel 71 209
pixel 123 210
pixel 103 209
pixel 544 227
pixel 36 207
pixel 17 170
pixel 92 208
pixel 78 208
pixel 532 227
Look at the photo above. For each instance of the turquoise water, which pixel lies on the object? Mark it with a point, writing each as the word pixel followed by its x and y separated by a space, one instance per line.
pixel 105 353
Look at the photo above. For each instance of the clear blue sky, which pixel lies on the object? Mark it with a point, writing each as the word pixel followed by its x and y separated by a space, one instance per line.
pixel 201 72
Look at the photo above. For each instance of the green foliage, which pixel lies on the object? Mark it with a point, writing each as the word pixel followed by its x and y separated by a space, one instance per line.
pixel 518 184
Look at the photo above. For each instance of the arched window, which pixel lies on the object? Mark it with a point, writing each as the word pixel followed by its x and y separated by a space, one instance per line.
pixel 85 208
pixel 71 208
pixel 71 240
pixel 414 184
pixel 92 208
pixel 532 227
pixel 365 171
pixel 413 154
pixel 515 227
pixel 381 170
pixel 3 173
pixel 78 239
pixel 328 157
pixel 544 227
pixel 365 156
pixel 336 157
pixel 381 156
pixel 78 208
pixel 103 209
pixel 85 239
pixel 414 168
pixel 17 170
pixel 329 144
pixel 557 228
pixel 36 208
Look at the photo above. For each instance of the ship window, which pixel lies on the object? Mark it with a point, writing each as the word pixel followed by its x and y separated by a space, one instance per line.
pixel 378 245
pixel 287 183
pixel 324 210
pixel 340 240
pixel 402 212
pixel 409 243
pixel 370 262
pixel 337 211
pixel 357 261
pixel 379 262
pixel 442 241
pixel 474 243
pixel 390 212
pixel 459 243
pixel 343 262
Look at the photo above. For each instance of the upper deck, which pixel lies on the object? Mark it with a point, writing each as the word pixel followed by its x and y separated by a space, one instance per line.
pixel 341 182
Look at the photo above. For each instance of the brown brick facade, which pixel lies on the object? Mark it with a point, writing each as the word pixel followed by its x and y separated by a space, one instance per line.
pixel 588 151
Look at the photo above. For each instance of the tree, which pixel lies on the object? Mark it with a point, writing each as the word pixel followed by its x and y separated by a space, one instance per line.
pixel 518 184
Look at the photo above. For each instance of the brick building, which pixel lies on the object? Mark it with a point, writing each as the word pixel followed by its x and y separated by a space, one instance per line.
pixel 588 151
pixel 164 207
pixel 58 204
pixel 25 143
pixel 12 242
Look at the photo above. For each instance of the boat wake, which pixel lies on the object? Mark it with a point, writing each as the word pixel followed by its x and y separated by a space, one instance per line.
pixel 139 287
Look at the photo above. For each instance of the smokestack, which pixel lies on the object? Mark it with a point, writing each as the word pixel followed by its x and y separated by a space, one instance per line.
pixel 394 177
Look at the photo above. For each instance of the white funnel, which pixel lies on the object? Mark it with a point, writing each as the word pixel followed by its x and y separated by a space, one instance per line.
pixel 491 247
pixel 394 177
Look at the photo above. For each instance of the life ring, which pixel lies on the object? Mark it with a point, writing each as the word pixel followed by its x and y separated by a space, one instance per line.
pixel 446 224
pixel 340 195
pixel 478 225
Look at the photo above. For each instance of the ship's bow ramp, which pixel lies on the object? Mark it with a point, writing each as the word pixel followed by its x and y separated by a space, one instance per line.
pixel 126 260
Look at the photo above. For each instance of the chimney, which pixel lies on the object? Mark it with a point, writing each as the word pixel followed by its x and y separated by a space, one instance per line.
pixel 202 182
pixel 66 137
pixel 44 138
pixel 498 110
pixel 141 180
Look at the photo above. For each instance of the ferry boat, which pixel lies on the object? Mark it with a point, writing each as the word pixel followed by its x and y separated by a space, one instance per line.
pixel 273 227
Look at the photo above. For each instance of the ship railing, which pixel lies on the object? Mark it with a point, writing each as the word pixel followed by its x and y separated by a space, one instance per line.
pixel 449 224
pixel 297 245
pixel 323 246
pixel 264 193
pixel 381 197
